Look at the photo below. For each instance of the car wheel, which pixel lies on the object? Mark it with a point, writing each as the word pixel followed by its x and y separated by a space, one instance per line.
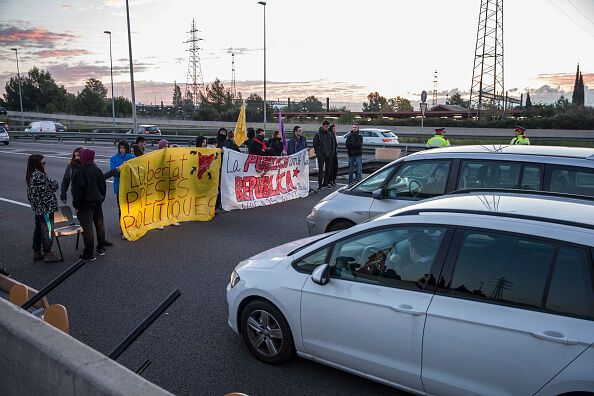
pixel 266 332
pixel 5 143
pixel 340 225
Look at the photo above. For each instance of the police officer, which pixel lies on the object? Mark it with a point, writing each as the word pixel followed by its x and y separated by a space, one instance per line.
pixel 519 137
pixel 438 140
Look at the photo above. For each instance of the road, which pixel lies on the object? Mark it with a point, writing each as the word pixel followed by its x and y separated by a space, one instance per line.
pixel 192 349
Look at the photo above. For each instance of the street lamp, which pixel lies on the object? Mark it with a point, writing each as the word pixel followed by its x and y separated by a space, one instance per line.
pixel 16 53
pixel 134 121
pixel 263 3
pixel 111 72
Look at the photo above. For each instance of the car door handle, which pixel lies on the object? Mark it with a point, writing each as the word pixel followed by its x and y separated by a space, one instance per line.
pixel 554 336
pixel 407 309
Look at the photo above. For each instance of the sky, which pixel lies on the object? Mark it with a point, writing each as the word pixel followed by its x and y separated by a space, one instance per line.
pixel 334 49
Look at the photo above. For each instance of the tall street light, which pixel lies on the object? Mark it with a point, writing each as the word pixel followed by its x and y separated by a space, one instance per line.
pixel 134 120
pixel 263 3
pixel 16 53
pixel 111 72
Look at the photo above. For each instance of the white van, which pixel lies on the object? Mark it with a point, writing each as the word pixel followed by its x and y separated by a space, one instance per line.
pixel 41 126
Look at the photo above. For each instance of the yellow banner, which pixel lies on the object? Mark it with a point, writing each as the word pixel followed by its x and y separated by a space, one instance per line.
pixel 240 127
pixel 167 186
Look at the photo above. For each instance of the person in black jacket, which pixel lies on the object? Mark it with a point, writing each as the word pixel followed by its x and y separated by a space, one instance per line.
pixel 334 169
pixel 230 144
pixel 324 146
pixel 251 134
pixel 71 170
pixel 258 145
pixel 88 194
pixel 221 137
pixel 275 144
pixel 354 146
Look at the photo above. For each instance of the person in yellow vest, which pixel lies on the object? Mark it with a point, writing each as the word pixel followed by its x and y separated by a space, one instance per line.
pixel 519 137
pixel 439 140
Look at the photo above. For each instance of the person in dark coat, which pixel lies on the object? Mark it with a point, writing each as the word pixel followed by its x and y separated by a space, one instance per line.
pixel 115 162
pixel 354 146
pixel 251 134
pixel 141 141
pixel 221 137
pixel 88 194
pixel 275 144
pixel 136 150
pixel 297 142
pixel 71 169
pixel 230 142
pixel 334 169
pixel 258 145
pixel 324 146
pixel 41 191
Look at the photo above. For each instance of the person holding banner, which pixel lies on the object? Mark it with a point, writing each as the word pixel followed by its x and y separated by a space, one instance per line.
pixel 251 134
pixel 230 142
pixel 276 145
pixel 221 137
pixel 115 162
pixel 258 145
pixel 324 146
pixel 200 141
pixel 297 142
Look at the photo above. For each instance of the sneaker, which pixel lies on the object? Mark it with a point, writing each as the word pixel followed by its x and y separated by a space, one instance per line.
pixel 38 256
pixel 160 228
pixel 51 258
pixel 107 243
pixel 320 188
pixel 88 258
pixel 100 251
pixel 176 223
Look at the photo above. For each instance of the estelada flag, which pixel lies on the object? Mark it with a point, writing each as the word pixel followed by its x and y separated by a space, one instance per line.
pixel 240 127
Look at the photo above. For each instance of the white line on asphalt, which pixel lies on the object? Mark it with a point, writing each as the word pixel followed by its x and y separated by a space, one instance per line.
pixel 46 155
pixel 15 202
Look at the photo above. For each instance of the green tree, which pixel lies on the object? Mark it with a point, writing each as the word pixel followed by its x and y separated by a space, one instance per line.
pixel 578 96
pixel 254 107
pixel 402 104
pixel 177 96
pixel 92 99
pixel 375 103
pixel 562 103
pixel 311 104
pixel 528 101
pixel 217 96
pixel 38 89
pixel 456 99
pixel 123 106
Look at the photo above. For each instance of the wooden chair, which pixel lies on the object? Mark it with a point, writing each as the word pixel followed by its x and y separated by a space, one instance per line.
pixel 64 225
pixel 57 316
pixel 6 286
pixel 18 295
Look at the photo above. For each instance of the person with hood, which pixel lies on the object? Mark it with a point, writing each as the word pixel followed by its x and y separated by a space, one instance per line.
pixel 88 194
pixel 221 137
pixel 116 161
pixel 258 145
pixel 297 142
pixel 41 194
pixel 276 144
pixel 251 134
pixel 200 141
pixel 324 146
pixel 163 143
pixel 71 169
pixel 230 142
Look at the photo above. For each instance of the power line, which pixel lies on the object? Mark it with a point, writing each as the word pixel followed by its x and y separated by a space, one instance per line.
pixel 580 11
pixel 570 17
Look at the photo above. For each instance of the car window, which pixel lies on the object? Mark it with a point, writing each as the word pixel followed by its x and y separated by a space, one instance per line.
pixel 419 180
pixel 502 268
pixel 311 261
pixel 152 129
pixel 374 181
pixel 140 129
pixel 531 177
pixel 571 285
pixel 489 174
pixel 395 256
pixel 573 181
pixel 388 134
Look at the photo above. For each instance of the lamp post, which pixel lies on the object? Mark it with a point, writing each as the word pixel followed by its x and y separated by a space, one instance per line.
pixel 134 120
pixel 263 3
pixel 16 53
pixel 111 72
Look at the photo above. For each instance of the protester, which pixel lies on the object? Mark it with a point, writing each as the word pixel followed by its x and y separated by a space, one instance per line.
pixel 71 169
pixel 251 134
pixel 354 146
pixel 230 142
pixel 258 145
pixel 324 146
pixel 116 161
pixel 334 169
pixel 141 141
pixel 163 143
pixel 136 150
pixel 200 141
pixel 88 194
pixel 221 137
pixel 297 142
pixel 275 144
pixel 41 194
pixel 212 142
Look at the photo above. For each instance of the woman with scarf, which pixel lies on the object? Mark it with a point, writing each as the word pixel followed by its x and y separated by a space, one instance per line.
pixel 41 194
pixel 71 170
pixel 221 137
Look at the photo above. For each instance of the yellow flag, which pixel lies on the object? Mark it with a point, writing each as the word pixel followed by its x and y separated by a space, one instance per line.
pixel 240 127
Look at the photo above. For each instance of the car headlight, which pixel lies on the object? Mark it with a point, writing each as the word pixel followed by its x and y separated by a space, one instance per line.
pixel 234 278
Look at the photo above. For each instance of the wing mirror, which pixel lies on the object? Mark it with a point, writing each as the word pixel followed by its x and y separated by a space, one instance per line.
pixel 378 194
pixel 321 275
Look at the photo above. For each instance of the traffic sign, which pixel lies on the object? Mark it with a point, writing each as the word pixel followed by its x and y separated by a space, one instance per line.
pixel 424 96
pixel 423 107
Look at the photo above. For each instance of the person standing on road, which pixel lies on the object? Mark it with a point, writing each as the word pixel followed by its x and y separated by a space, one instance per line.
pixel 88 194
pixel 297 142
pixel 71 169
pixel 519 137
pixel 41 194
pixel 136 150
pixel 230 142
pixel 258 145
pixel 324 146
pixel 354 146
pixel 200 141
pixel 141 141
pixel 116 161
pixel 276 145
pixel 334 169
pixel 221 137
pixel 251 134
pixel 439 140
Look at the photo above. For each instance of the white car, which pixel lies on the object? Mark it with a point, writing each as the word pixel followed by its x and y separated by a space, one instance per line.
pixel 41 126
pixel 373 136
pixel 416 177
pixel 472 293
pixel 4 138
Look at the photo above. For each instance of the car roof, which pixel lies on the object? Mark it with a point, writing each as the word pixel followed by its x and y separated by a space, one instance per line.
pixel 374 130
pixel 545 207
pixel 147 125
pixel 546 151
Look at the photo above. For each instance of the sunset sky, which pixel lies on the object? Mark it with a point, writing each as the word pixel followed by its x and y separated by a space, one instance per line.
pixel 337 49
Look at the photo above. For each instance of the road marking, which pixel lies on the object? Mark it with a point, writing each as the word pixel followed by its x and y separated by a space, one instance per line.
pixel 15 202
pixel 47 156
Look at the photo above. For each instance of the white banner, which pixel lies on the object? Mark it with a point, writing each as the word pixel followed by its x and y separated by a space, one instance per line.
pixel 249 181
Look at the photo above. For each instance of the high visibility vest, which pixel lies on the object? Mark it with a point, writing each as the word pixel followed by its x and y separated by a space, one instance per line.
pixel 520 139
pixel 438 141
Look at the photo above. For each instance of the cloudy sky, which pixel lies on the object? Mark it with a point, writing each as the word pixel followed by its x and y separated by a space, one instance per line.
pixel 332 48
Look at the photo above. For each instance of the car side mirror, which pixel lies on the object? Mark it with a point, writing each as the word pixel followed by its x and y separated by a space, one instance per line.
pixel 321 275
pixel 378 194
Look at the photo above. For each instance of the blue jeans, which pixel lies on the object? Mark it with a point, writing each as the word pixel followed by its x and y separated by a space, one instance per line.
pixel 359 162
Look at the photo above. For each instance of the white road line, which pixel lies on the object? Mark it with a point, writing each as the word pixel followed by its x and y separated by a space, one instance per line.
pixel 15 202
pixel 47 156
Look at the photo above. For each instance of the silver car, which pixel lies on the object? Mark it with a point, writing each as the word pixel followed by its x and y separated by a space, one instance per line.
pixel 436 172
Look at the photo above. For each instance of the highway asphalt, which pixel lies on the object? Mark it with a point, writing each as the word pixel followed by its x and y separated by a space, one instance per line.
pixel 192 349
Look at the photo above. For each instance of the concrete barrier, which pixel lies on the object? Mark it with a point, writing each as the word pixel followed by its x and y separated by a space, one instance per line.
pixel 37 359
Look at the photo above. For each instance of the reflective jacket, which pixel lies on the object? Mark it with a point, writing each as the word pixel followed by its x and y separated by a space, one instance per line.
pixel 520 139
pixel 438 141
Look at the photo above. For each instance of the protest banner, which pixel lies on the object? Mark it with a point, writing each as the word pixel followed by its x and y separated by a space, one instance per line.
pixel 167 186
pixel 249 181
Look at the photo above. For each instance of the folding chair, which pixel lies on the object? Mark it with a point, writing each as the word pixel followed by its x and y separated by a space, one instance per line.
pixel 65 225
pixel 57 316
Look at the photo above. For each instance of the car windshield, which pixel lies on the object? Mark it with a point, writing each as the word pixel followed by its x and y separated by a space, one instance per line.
pixel 152 129
pixel 300 248
pixel 388 134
